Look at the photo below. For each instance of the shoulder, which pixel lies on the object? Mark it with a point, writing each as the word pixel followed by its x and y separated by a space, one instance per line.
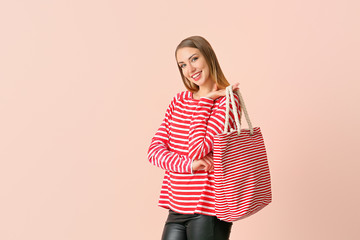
pixel 181 96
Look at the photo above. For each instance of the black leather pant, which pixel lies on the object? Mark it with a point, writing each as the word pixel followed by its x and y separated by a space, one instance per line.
pixel 195 227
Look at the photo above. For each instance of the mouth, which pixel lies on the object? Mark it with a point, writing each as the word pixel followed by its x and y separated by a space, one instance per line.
pixel 196 76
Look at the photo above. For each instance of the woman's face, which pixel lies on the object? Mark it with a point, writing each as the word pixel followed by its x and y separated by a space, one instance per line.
pixel 193 65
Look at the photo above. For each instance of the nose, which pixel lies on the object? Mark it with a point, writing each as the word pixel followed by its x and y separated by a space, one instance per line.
pixel 191 69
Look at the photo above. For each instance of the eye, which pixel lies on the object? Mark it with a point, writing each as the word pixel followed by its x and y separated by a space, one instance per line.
pixel 195 58
pixel 182 65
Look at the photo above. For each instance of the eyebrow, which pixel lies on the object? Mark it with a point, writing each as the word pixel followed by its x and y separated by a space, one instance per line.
pixel 188 58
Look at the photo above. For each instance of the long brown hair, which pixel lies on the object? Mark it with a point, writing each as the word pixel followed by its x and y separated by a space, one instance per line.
pixel 207 51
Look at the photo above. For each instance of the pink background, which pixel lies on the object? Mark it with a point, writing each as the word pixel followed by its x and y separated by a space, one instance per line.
pixel 84 85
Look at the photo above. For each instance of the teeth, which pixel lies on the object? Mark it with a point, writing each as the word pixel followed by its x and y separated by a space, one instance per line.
pixel 196 75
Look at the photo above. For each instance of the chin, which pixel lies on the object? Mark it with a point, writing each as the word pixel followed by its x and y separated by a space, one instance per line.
pixel 199 83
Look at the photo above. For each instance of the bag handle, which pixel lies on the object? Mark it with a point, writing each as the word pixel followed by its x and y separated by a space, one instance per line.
pixel 230 95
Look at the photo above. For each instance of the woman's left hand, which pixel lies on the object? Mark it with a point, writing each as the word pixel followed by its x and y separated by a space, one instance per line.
pixel 215 93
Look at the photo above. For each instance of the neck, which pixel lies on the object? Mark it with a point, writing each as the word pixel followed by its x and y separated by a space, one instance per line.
pixel 205 89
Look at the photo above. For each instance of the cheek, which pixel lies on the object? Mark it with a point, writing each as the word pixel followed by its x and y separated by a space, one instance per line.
pixel 204 67
pixel 185 73
pixel 207 70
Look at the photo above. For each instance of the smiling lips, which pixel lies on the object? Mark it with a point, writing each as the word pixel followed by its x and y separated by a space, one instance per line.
pixel 196 76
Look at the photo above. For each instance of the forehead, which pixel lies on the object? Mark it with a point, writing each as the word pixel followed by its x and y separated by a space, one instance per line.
pixel 184 53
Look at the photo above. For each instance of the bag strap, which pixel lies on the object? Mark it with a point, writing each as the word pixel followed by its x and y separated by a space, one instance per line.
pixel 230 96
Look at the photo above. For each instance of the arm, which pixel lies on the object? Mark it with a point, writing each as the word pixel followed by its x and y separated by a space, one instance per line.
pixel 159 153
pixel 205 124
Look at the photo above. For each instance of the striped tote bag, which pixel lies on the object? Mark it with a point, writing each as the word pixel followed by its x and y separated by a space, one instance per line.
pixel 241 170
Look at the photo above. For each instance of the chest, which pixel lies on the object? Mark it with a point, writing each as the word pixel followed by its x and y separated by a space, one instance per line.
pixel 182 117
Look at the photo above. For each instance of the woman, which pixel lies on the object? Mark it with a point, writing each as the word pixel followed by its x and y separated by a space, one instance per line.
pixel 183 144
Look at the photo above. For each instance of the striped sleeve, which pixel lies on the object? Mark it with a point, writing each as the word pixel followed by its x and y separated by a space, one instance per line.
pixel 206 123
pixel 159 153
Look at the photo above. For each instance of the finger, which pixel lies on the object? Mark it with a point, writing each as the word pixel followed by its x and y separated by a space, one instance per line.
pixel 204 164
pixel 236 86
pixel 212 168
pixel 207 166
pixel 210 164
pixel 199 165
pixel 208 160
pixel 211 156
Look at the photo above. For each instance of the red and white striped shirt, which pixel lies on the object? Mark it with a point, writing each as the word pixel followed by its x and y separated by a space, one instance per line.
pixel 187 134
